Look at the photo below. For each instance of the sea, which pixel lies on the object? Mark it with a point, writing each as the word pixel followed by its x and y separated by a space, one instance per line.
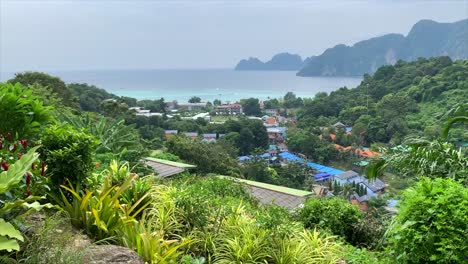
pixel 209 84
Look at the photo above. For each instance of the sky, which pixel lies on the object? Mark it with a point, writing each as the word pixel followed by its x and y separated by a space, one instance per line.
pixel 105 34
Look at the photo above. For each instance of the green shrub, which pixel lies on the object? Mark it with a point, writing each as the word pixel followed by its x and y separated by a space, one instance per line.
pixel 68 154
pixel 100 212
pixel 432 224
pixel 331 214
pixel 21 113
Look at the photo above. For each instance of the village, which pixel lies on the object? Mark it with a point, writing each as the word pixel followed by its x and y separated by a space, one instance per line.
pixel 326 179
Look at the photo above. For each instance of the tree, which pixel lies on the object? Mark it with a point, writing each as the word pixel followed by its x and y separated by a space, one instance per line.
pixel 45 80
pixel 113 108
pixel 209 157
pixel 216 102
pixel 291 101
pixel 246 141
pixel 194 99
pixel 89 96
pixel 251 106
pixel 431 225
pixel 21 113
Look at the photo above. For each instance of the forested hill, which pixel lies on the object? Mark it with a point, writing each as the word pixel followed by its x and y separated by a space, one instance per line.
pixel 426 39
pixel 394 102
pixel 279 62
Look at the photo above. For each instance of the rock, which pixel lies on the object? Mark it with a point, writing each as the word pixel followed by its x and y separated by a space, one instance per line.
pixel 110 254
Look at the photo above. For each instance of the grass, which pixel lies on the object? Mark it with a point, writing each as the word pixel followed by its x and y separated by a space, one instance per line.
pixel 223 118
pixel 55 242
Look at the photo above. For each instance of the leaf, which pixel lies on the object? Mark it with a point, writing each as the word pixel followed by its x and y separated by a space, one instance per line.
pixel 8 244
pixel 7 229
pixel 15 173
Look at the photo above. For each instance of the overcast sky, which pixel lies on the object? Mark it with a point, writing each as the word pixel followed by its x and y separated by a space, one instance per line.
pixel 83 35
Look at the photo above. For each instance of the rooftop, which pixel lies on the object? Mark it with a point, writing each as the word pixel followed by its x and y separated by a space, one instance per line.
pixel 171 163
pixel 347 175
pixel 276 188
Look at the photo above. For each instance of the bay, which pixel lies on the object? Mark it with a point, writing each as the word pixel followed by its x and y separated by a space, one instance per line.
pixel 208 84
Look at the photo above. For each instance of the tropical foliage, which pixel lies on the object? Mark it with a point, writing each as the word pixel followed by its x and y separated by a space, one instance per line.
pixel 22 114
pixel 431 226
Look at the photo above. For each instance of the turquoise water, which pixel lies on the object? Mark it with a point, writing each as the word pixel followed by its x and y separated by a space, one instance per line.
pixel 226 85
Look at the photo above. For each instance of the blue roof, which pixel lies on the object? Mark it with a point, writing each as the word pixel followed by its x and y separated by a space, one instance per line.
pixel 324 169
pixel 349 129
pixel 322 176
pixel 244 158
pixel 265 155
pixel 290 157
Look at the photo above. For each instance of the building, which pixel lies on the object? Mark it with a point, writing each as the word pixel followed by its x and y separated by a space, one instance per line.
pixel 205 116
pixel 347 177
pixel 166 168
pixel 229 109
pixel 373 187
pixel 272 111
pixel 276 135
pixel 360 201
pixel 170 133
pixel 339 125
pixel 192 106
pixel 209 136
pixel 192 135
pixel 274 194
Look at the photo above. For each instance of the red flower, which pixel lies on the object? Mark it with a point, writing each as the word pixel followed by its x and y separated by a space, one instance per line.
pixel 24 142
pixel 5 165
pixel 19 155
pixel 28 193
pixel 33 166
pixel 28 178
pixel 15 146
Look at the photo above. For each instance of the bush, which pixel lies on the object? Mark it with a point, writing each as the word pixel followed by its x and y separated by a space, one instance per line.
pixel 68 154
pixel 431 226
pixel 21 113
pixel 334 215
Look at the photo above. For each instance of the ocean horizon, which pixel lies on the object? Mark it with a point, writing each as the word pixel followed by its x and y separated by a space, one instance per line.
pixel 226 85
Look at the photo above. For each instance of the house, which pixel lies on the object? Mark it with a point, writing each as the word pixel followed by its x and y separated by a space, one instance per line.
pixel 360 201
pixel 209 136
pixel 169 133
pixel 166 168
pixel 192 135
pixel 347 177
pixel 373 187
pixel 229 109
pixel 192 106
pixel 270 121
pixel 366 153
pixel 339 125
pixel 275 135
pixel 272 111
pixel 135 108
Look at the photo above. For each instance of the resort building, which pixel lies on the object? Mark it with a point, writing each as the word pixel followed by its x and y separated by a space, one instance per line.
pixel 229 109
